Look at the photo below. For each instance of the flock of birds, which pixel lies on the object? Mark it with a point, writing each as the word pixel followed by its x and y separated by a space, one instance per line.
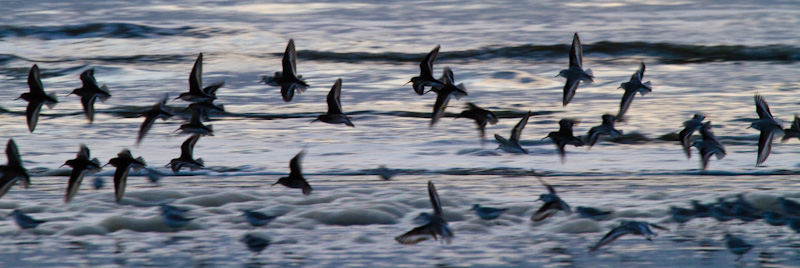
pixel 201 99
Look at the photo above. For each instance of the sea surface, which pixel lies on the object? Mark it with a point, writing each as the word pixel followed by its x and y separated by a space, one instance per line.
pixel 707 57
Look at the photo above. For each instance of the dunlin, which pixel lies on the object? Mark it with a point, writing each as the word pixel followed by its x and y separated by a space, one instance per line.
pixel 13 171
pixel 634 85
pixel 481 117
pixel 768 126
pixel 335 114
pixel 564 136
pixel 593 213
pixel 36 97
pixel 186 159
pixel 425 78
pixel 196 126
pixel 628 227
pixel 90 92
pixel 488 213
pixel 150 116
pixel 444 93
pixel 575 74
pixel 737 245
pixel 198 93
pixel 689 126
pixel 295 178
pixel 606 128
pixel 708 146
pixel 288 79
pixel 793 131
pixel 257 219
pixel 552 204
pixel 124 162
pixel 512 144
pixel 434 224
pixel 24 221
pixel 82 164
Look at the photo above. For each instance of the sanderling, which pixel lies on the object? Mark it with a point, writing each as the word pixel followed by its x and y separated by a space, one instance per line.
pixel 81 165
pixel 186 159
pixel 257 219
pixel 768 126
pixel 36 97
pixel 708 146
pixel 198 93
pixel 628 227
pixel 575 74
pixel 425 78
pixel 488 213
pixel 124 162
pixel 150 116
pixel 335 114
pixel 737 245
pixel 689 126
pixel 552 204
pixel 295 178
pixel 196 126
pixel 288 79
pixel 24 221
pixel 13 171
pixel 634 85
pixel 512 144
pixel 564 136
pixel 205 107
pixel 90 92
pixel 255 243
pixel 606 128
pixel 481 117
pixel 444 93
pixel 434 224
pixel 793 131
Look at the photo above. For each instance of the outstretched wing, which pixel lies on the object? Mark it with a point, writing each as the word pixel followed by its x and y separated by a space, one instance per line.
pixel 426 66
pixel 34 81
pixel 290 60
pixel 294 164
pixel 196 76
pixel 576 53
pixel 516 132
pixel 334 103
pixel 610 237
pixel 762 108
pixel 435 202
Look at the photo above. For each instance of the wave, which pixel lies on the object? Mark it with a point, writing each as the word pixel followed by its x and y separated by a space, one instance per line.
pixel 106 30
pixel 664 52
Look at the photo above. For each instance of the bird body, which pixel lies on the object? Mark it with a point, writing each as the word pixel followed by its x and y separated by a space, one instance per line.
pixel 13 171
pixel 628 227
pixel 36 97
pixel 488 213
pixel 481 117
pixel 90 92
pixel 425 78
pixel 606 128
pixel 433 225
pixel 634 85
pixel 198 93
pixel 335 114
pixel 150 116
pixel 575 73
pixel 564 136
pixel 769 127
pixel 512 144
pixel 708 146
pixel 689 126
pixel 124 162
pixel 288 79
pixel 24 221
pixel 81 165
pixel 186 159
pixel 295 178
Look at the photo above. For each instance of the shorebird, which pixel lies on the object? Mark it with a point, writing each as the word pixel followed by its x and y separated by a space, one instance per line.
pixel 689 126
pixel 196 126
pixel 204 107
pixel 628 227
pixel 170 209
pixel 575 73
pixel 335 114
pixel 487 213
pixel 606 128
pixel 36 97
pixel 552 204
pixel 81 165
pixel 90 92
pixel 288 79
pixel 433 225
pixel 768 126
pixel 737 245
pixel 443 94
pixel 385 173
pixel 186 160
pixel 13 171
pixel 425 78
pixel 481 117
pixel 150 117
pixel 512 144
pixel 257 219
pixel 254 243
pixel 124 162
pixel 634 85
pixel 708 146
pixel 592 213
pixel 793 131
pixel 198 93
pixel 295 178
pixel 176 220
pixel 564 136
pixel 24 221
pixel 682 215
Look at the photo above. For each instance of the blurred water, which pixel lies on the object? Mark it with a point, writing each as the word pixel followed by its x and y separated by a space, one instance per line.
pixel 701 56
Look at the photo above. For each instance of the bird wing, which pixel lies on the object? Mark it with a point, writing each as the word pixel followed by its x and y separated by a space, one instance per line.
pixel 417 235
pixel 13 154
pixel 442 99
pixel 87 78
pixel 188 146
pixel 75 179
pixel 35 81
pixel 290 60
pixel 762 108
pixel 84 152
pixel 516 132
pixel 447 76
pixel 435 201
pixel 88 101
pixel 334 103
pixel 146 125
pixel 625 103
pixel 764 145
pixel 426 66
pixel 569 90
pixel 287 91
pixel 196 76
pixel 639 75
pixel 545 211
pixel 610 237
pixel 576 53
pixel 294 165
pixel 32 113
pixel 120 179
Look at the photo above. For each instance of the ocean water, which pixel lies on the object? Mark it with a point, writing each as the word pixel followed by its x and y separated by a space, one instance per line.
pixel 701 56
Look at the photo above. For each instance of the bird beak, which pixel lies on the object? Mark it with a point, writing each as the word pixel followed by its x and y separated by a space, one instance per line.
pixel 545 138
pixel 407 83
